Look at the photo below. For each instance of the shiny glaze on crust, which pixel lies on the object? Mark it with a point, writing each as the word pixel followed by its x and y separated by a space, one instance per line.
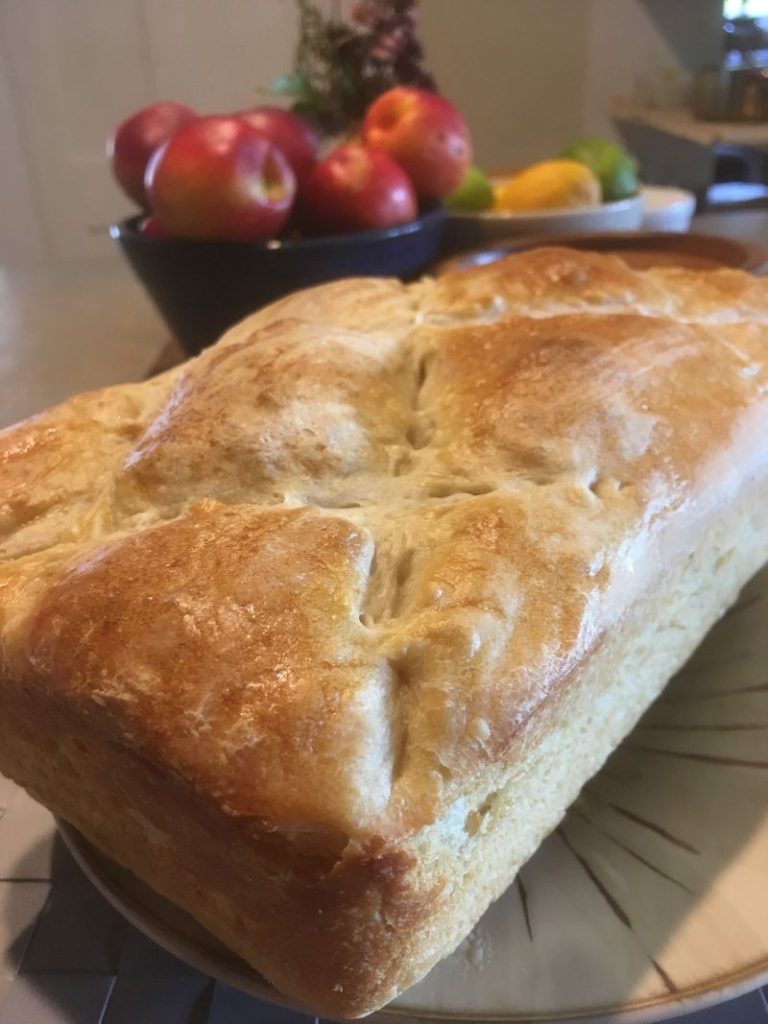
pixel 328 571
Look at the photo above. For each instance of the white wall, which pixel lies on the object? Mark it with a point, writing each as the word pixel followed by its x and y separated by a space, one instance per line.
pixel 218 55
pixel 71 69
pixel 75 66
pixel 644 51
pixel 532 74
pixel 516 69
pixel 529 75
pixel 21 235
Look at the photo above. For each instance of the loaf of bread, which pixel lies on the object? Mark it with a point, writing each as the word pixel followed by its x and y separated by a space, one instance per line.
pixel 321 632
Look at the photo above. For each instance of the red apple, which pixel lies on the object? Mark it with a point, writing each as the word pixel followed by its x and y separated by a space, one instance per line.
pixel 425 134
pixel 355 188
pixel 293 136
pixel 152 226
pixel 135 140
pixel 219 178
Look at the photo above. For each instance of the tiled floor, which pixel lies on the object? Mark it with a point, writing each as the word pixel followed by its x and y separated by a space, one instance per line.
pixel 67 958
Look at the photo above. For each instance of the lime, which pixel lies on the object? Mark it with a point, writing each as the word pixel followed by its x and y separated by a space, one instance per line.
pixel 614 167
pixel 473 194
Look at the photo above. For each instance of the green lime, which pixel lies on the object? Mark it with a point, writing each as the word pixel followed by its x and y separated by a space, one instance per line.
pixel 614 167
pixel 474 193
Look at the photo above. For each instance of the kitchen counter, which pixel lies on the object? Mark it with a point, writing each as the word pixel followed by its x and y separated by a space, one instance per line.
pixel 65 956
pixel 682 123
pixel 69 328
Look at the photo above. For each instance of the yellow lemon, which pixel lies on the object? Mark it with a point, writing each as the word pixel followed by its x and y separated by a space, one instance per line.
pixel 548 185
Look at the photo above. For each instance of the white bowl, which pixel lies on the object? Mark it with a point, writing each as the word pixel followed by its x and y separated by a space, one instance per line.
pixel 472 230
pixel 667 208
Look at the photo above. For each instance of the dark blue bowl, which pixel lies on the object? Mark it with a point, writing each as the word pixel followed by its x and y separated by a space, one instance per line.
pixel 203 287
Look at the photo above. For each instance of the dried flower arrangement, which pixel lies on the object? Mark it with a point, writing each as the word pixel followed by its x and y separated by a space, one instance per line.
pixel 343 63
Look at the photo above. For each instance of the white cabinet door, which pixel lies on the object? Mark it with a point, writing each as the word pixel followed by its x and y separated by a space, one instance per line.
pixel 75 67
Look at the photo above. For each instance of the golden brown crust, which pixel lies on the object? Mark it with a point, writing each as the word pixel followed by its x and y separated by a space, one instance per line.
pixel 325 576
pixel 339 909
pixel 54 466
pixel 261 692
pixel 543 282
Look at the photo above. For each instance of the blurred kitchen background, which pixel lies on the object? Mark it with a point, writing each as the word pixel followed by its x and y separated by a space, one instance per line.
pixel 529 75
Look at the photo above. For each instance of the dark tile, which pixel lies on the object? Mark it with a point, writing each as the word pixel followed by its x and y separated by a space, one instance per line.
pixel 159 1001
pixel 749 1009
pixel 143 958
pixel 56 999
pixel 76 931
pixel 229 1006
pixel 64 868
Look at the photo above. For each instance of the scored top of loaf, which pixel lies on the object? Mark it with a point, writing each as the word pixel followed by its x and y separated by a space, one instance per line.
pixel 327 570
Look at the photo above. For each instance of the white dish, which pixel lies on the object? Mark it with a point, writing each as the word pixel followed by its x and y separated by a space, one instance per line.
pixel 655 208
pixel 472 230
pixel 649 901
pixel 667 209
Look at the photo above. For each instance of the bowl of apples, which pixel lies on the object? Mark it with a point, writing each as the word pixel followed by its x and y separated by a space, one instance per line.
pixel 242 209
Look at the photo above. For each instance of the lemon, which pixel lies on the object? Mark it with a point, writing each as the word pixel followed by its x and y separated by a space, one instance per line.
pixel 614 167
pixel 548 185
pixel 474 193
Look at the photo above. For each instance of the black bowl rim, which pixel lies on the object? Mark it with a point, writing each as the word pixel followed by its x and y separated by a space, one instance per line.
pixel 128 228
